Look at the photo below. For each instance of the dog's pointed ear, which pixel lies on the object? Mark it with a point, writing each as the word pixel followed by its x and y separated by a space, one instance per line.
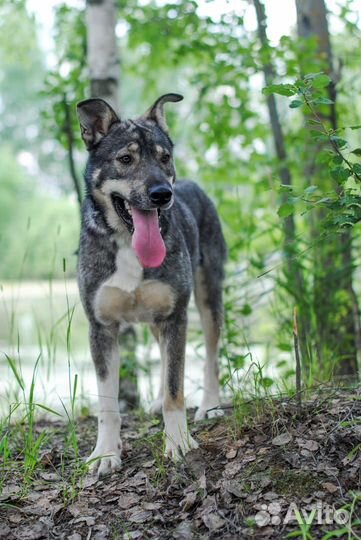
pixel 95 118
pixel 156 112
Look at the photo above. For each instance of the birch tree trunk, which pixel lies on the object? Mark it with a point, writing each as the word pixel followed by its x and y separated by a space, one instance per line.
pixel 335 304
pixel 293 268
pixel 102 51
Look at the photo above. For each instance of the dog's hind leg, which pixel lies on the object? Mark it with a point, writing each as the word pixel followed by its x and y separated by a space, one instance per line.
pixel 157 404
pixel 172 337
pixel 105 353
pixel 208 297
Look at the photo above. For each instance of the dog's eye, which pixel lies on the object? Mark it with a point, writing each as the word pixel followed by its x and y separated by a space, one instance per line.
pixel 165 158
pixel 126 159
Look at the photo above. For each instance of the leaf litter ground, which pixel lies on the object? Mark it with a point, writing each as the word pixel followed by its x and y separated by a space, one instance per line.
pixel 256 467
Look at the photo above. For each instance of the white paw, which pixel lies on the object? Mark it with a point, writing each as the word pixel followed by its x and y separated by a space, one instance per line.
pixel 206 411
pixel 176 449
pixel 156 406
pixel 104 461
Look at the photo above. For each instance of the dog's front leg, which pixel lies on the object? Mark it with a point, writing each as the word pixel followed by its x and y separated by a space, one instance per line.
pixel 105 354
pixel 172 341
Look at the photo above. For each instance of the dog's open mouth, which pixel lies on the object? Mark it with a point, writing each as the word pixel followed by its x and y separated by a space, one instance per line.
pixel 147 240
pixel 123 209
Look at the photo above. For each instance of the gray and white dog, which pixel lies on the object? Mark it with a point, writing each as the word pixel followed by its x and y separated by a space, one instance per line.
pixel 145 244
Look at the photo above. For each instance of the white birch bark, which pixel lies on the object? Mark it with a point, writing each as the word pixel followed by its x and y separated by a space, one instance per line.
pixel 102 50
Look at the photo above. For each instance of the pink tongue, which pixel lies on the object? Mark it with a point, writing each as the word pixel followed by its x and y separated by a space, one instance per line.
pixel 147 241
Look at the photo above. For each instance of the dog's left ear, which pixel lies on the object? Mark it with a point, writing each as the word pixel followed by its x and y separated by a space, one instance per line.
pixel 95 118
pixel 156 112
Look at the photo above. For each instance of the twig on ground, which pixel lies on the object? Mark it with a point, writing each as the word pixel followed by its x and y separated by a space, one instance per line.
pixel 298 362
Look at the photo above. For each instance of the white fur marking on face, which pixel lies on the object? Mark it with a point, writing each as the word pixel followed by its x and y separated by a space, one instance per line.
pixel 178 438
pixel 133 146
pixel 116 186
pixel 159 149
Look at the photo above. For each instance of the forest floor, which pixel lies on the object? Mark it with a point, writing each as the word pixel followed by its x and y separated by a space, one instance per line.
pixel 262 471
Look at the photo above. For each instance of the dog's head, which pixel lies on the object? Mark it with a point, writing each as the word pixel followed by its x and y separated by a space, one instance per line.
pixel 131 171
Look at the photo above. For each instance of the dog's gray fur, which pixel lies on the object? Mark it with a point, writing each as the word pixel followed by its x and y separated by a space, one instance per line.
pixel 113 286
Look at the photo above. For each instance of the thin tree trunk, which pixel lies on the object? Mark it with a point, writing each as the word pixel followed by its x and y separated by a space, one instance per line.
pixel 294 269
pixel 102 51
pixel 334 298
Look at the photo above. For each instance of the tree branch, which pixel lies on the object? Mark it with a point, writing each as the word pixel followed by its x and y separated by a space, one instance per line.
pixel 68 130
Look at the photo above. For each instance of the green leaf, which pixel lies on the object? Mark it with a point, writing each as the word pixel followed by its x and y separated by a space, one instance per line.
pixel 340 174
pixel 340 143
pixel 266 382
pixel 311 189
pixel 356 167
pixel 284 347
pixel 246 309
pixel 323 101
pixel 15 371
pixel 285 210
pixel 311 76
pixel 351 201
pixel 296 103
pixel 285 188
pixel 48 409
pixel 337 533
pixel 317 136
pixel 282 89
pixel 356 151
pixel 321 80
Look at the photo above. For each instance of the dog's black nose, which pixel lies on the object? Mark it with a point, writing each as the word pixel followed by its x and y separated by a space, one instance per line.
pixel 160 194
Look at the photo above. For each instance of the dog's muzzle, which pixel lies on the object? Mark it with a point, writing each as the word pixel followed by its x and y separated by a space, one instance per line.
pixel 160 195
pixel 144 227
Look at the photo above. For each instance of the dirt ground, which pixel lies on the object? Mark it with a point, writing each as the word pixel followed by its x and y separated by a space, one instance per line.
pixel 257 469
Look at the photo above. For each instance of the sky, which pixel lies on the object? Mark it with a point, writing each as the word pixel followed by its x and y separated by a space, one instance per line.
pixel 281 16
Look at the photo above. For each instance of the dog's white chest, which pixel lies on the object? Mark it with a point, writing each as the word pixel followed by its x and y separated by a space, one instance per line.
pixel 126 296
pixel 128 273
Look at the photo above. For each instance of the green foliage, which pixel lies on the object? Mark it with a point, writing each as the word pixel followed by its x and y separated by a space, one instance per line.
pixel 33 243
pixel 21 76
pixel 66 83
pixel 342 203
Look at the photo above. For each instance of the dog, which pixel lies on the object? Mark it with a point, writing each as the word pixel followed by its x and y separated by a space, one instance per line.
pixel 146 242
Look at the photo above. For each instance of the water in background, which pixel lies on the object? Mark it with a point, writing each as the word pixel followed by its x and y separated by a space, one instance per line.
pixel 45 322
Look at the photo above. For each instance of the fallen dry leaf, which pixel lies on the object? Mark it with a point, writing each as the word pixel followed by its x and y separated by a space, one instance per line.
pixel 127 501
pixel 232 453
pixel 140 516
pixel 282 439
pixel 213 521
pixel 189 500
pixel 148 464
pixel 183 531
pixel 235 488
pixel 308 444
pixel 331 488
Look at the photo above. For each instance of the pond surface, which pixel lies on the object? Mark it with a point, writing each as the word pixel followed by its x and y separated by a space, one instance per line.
pixel 43 324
